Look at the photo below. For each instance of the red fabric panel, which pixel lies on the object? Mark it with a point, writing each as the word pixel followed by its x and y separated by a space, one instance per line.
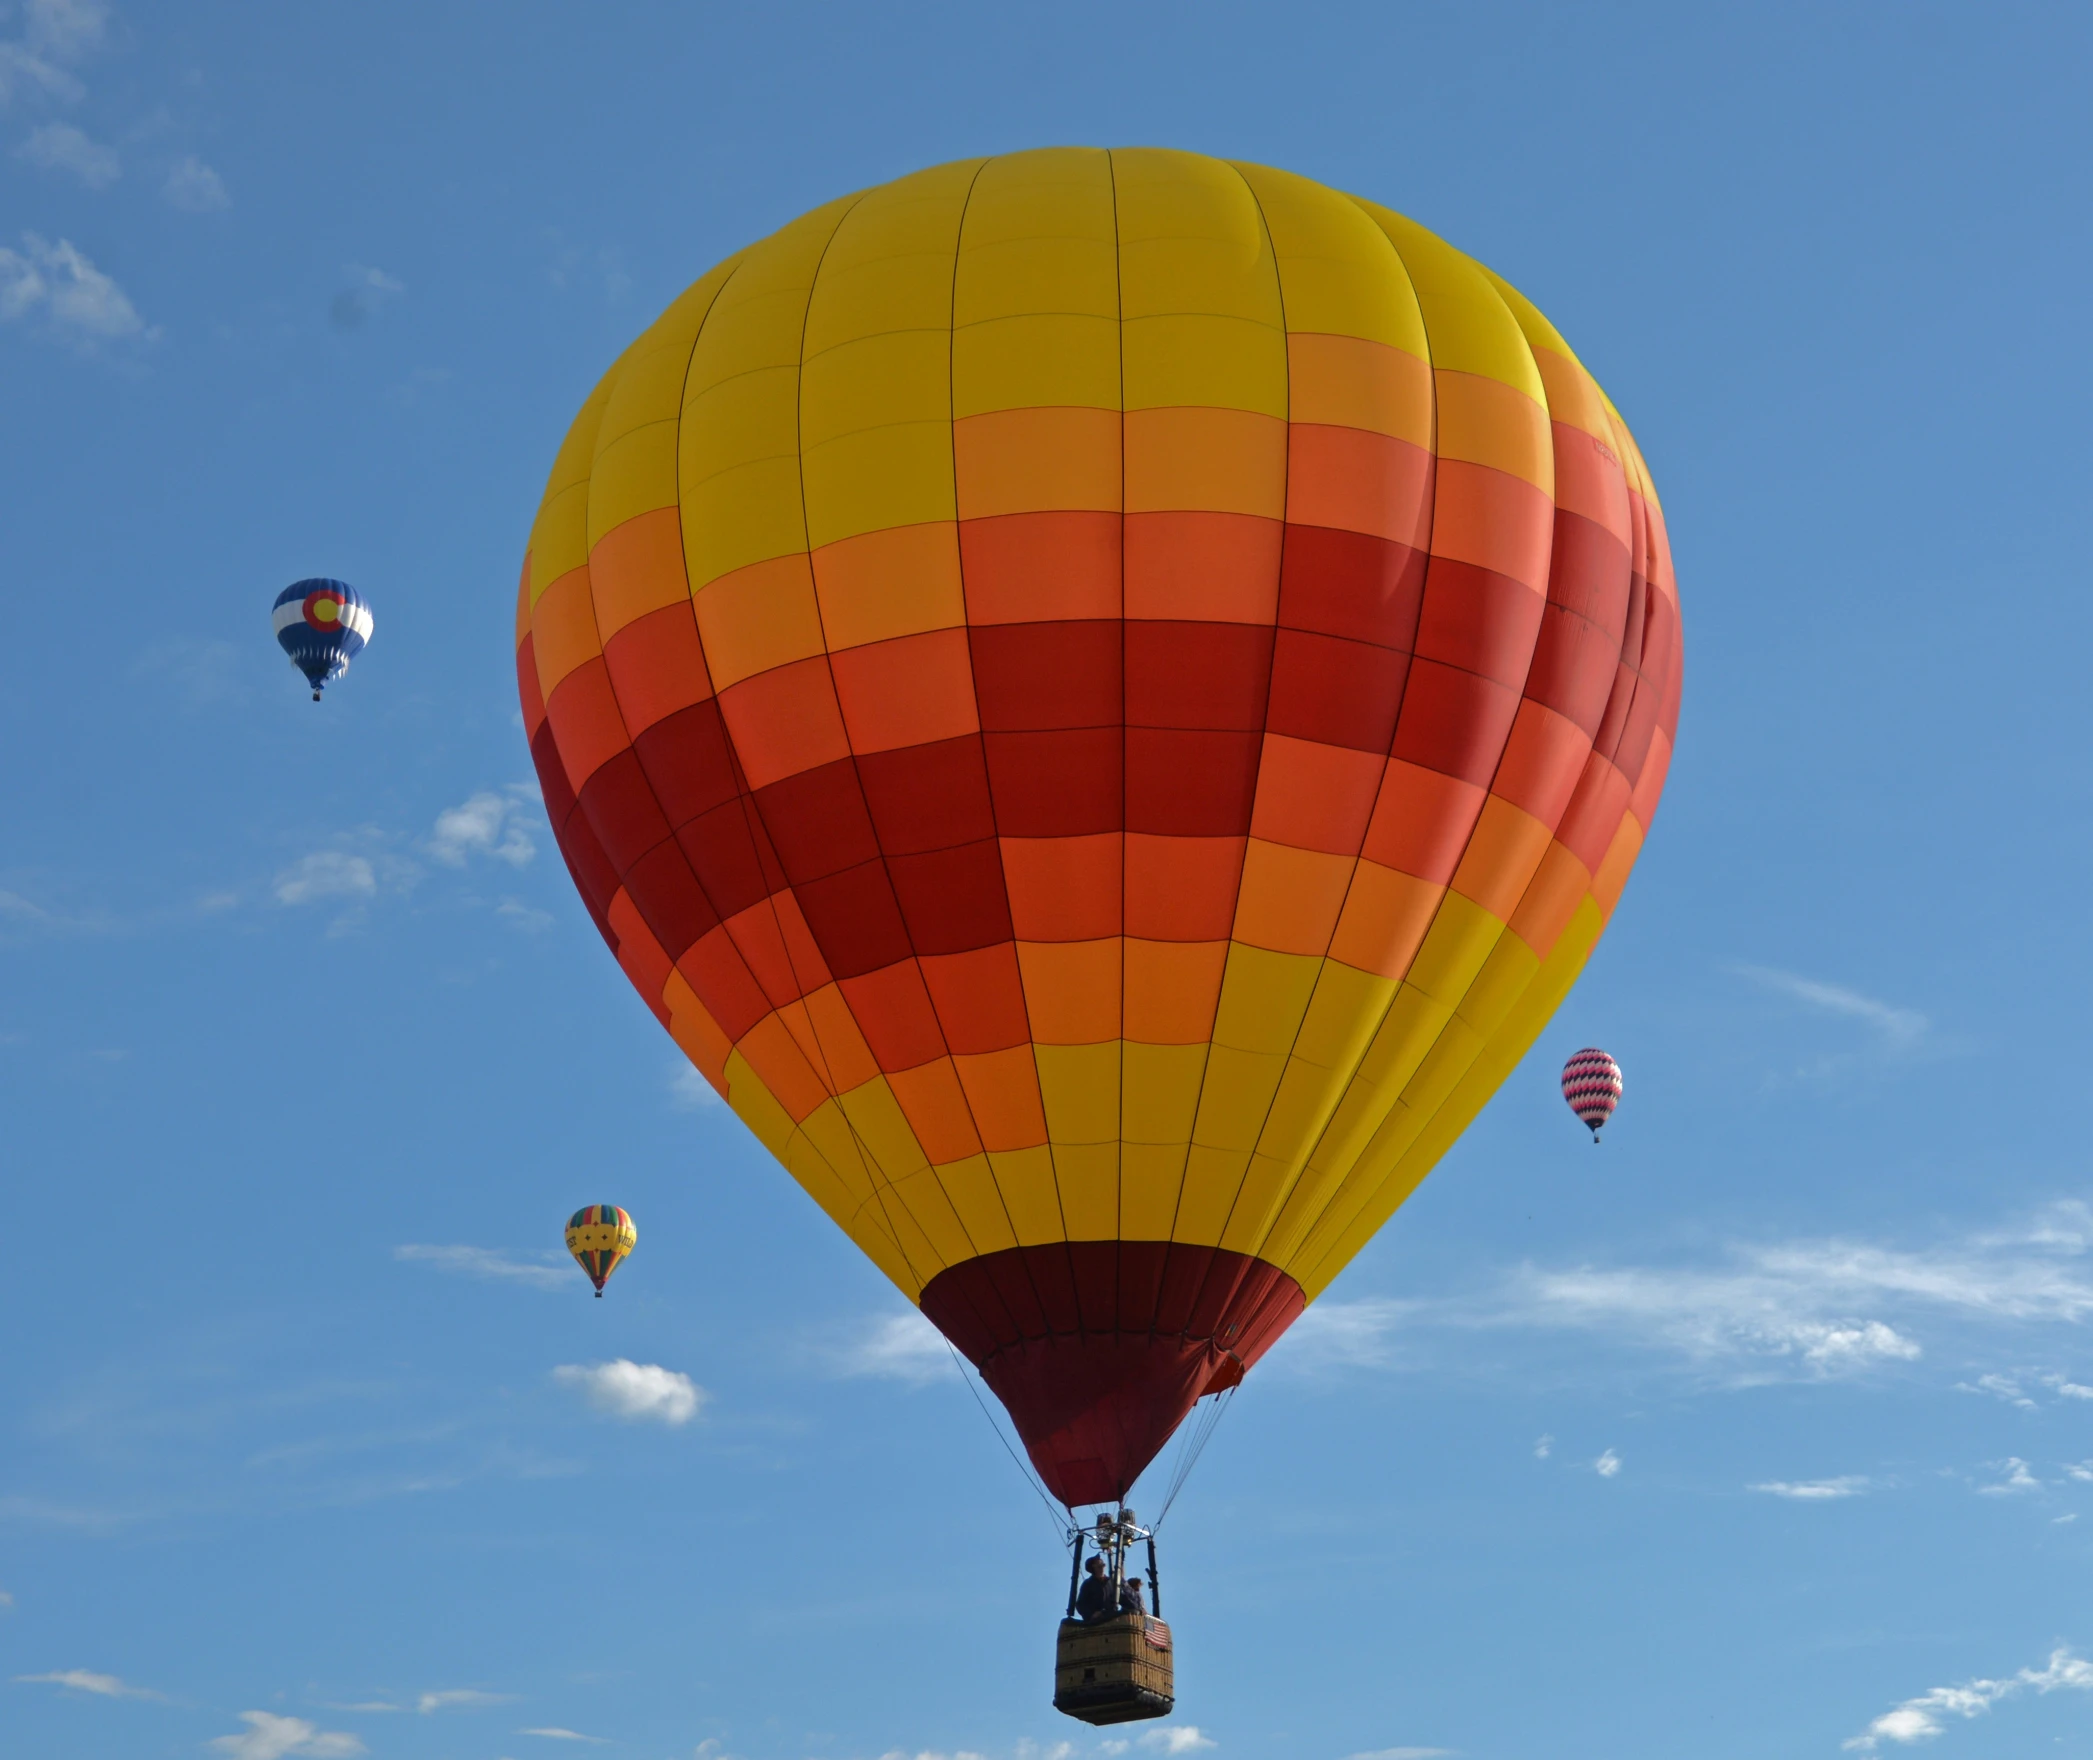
pixel 1098 1349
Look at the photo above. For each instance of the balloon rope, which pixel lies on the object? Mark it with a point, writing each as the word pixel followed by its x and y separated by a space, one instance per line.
pixel 1194 1446
pixel 1055 1513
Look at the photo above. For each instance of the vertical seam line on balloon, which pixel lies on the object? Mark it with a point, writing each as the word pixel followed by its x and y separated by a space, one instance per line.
pixel 1367 1198
pixel 886 868
pixel 1119 349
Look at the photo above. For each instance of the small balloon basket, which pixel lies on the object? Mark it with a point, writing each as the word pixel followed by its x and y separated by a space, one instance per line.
pixel 1115 1671
pixel 1118 1669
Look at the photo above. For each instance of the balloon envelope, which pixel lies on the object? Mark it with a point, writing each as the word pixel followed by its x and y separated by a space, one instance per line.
pixel 1103 698
pixel 600 1236
pixel 322 625
pixel 1591 1084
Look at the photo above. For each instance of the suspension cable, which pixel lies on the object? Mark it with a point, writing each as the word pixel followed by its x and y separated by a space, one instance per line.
pixel 1193 1447
pixel 1055 1514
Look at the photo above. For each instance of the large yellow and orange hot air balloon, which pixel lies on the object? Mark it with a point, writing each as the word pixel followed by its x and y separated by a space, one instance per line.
pixel 1103 698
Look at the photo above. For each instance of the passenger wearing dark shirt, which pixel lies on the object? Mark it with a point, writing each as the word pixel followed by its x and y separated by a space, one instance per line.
pixel 1094 1600
pixel 1130 1597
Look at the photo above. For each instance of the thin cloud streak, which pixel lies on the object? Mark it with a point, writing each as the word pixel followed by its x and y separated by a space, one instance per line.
pixel 1900 1028
pixel 492 1264
pixel 86 1680
pixel 1922 1718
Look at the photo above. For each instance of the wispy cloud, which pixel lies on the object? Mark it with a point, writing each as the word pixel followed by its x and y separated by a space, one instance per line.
pixel 1807 1309
pixel 496 1264
pixel 2022 1387
pixel 1816 1490
pixel 1922 1718
pixel 368 289
pixel 489 824
pixel 270 1737
pixel 86 1680
pixel 57 283
pixel 458 1699
pixel 59 146
pixel 2014 1478
pixel 1899 1028
pixel 194 187
pixel 552 1733
pixel 55 34
pixel 893 1347
pixel 691 1092
pixel 1608 1465
pixel 636 1392
pixel 327 873
pixel 1182 1738
pixel 1543 1447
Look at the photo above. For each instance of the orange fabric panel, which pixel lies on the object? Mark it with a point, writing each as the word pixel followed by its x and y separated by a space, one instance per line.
pixel 1036 460
pixel 1421 821
pixel 892 583
pixel 906 692
pixel 1358 482
pixel 1042 567
pixel 1487 422
pixel 1063 888
pixel 785 721
pixel 1493 520
pixel 1173 989
pixel 1552 897
pixel 760 617
pixel 1589 483
pixel 639 953
pixel 637 567
pixel 1203 567
pixel 1350 382
pixel 1503 851
pixel 1315 796
pixel 696 1033
pixel 772 938
pixel 564 628
pixel 1181 888
pixel 979 997
pixel 586 724
pixel 1002 1089
pixel 1290 897
pixel 657 666
pixel 935 1106
pixel 1542 760
pixel 845 1057
pixel 1385 918
pixel 894 1012
pixel 1216 460
pixel 1072 990
pixel 775 1056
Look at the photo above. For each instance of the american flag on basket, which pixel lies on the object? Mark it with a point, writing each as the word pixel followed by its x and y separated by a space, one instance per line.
pixel 1158 1634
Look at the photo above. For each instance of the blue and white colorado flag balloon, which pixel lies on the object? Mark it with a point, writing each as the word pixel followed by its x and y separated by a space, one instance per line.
pixel 322 625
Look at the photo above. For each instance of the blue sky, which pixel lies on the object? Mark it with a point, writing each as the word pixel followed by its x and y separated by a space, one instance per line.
pixel 1765 1429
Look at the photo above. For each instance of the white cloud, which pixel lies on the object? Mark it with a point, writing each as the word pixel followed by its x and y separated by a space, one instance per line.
pixel 1922 1718
pixel 2016 1478
pixel 1607 1465
pixel 487 824
pixel 1403 1754
pixel 53 32
pixel 2082 1471
pixel 1999 1387
pixel 1183 1738
pixel 56 280
pixel 451 1697
pixel 368 289
pixel 1543 1447
pixel 85 1680
pixel 6 1600
pixel 527 919
pixel 689 1091
pixel 327 873
pixel 896 1347
pixel 633 1391
pixel 1900 1029
pixel 270 1737
pixel 492 1263
pixel 553 1733
pixel 195 188
pixel 712 1748
pixel 1815 1490
pixel 59 146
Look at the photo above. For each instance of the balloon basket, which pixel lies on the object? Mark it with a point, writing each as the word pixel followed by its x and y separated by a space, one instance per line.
pixel 1116 1671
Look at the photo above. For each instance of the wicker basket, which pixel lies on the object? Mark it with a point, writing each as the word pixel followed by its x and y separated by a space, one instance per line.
pixel 1115 1671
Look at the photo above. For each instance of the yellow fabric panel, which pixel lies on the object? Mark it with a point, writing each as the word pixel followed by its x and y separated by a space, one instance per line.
pixel 1338 272
pixel 1025 1177
pixel 1459 940
pixel 829 1131
pixel 1079 1090
pixel 1088 1177
pixel 912 1244
pixel 1263 996
pixel 1201 322
pixel 560 534
pixel 1159 1092
pixel 880 1126
pixel 971 1187
pixel 927 1201
pixel 1318 1261
pixel 1470 329
pixel 1212 1179
pixel 738 463
pixel 876 380
pixel 1151 1176
pixel 1236 1097
pixel 1035 291
pixel 635 465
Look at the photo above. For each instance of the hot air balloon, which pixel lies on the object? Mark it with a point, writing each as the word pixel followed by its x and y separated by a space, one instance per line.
pixel 1591 1083
pixel 322 625
pixel 1103 699
pixel 600 1236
